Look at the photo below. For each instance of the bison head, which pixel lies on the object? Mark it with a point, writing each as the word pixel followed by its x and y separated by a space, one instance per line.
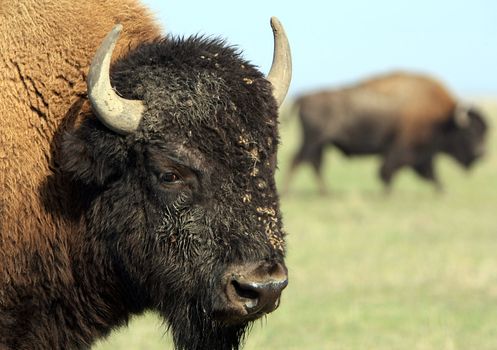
pixel 178 160
pixel 465 136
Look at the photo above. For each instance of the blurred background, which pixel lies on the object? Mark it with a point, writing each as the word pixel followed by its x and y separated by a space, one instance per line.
pixel 339 42
pixel 412 270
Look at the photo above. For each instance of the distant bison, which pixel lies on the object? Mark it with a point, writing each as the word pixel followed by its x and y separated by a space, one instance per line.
pixel 405 118
pixel 150 188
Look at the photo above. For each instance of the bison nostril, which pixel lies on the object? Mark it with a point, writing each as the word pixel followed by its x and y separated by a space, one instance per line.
pixel 246 291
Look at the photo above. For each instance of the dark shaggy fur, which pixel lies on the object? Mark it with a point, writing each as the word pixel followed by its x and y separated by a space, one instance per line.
pixel 211 116
pixel 161 214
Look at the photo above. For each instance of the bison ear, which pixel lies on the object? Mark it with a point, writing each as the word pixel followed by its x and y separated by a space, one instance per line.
pixel 92 155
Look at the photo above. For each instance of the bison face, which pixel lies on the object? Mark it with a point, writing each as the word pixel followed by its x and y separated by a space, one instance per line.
pixel 183 211
pixel 465 139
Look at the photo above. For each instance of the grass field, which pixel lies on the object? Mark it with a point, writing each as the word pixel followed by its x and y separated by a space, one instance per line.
pixel 413 270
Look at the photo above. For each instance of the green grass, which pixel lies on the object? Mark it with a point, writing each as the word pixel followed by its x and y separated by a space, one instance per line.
pixel 413 270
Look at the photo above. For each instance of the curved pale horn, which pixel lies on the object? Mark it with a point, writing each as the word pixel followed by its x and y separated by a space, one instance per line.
pixel 461 115
pixel 280 74
pixel 118 114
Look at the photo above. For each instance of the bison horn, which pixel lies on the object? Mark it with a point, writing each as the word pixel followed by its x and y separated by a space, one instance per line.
pixel 281 70
pixel 118 114
pixel 461 115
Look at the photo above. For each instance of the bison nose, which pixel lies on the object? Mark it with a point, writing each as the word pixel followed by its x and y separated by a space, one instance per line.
pixel 259 297
pixel 257 290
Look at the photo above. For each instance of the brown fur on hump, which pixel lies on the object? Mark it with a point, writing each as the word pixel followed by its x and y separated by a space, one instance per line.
pixel 428 103
pixel 45 50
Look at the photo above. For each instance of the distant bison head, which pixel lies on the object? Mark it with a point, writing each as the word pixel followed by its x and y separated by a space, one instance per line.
pixel 466 133
pixel 179 167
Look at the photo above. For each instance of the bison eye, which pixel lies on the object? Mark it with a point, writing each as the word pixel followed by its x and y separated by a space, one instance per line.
pixel 169 177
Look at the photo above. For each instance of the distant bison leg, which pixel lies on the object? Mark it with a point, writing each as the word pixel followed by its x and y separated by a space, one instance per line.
pixel 317 162
pixel 297 159
pixel 308 152
pixel 395 158
pixel 425 170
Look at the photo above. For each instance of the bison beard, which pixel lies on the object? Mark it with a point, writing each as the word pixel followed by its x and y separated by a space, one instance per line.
pixel 193 329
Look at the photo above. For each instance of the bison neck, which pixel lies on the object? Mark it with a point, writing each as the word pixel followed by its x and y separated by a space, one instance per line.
pixel 54 295
pixel 49 297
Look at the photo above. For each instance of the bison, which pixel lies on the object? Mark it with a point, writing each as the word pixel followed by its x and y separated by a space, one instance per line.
pixel 405 118
pixel 151 187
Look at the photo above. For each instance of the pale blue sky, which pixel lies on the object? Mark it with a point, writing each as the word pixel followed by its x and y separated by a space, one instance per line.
pixel 339 42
